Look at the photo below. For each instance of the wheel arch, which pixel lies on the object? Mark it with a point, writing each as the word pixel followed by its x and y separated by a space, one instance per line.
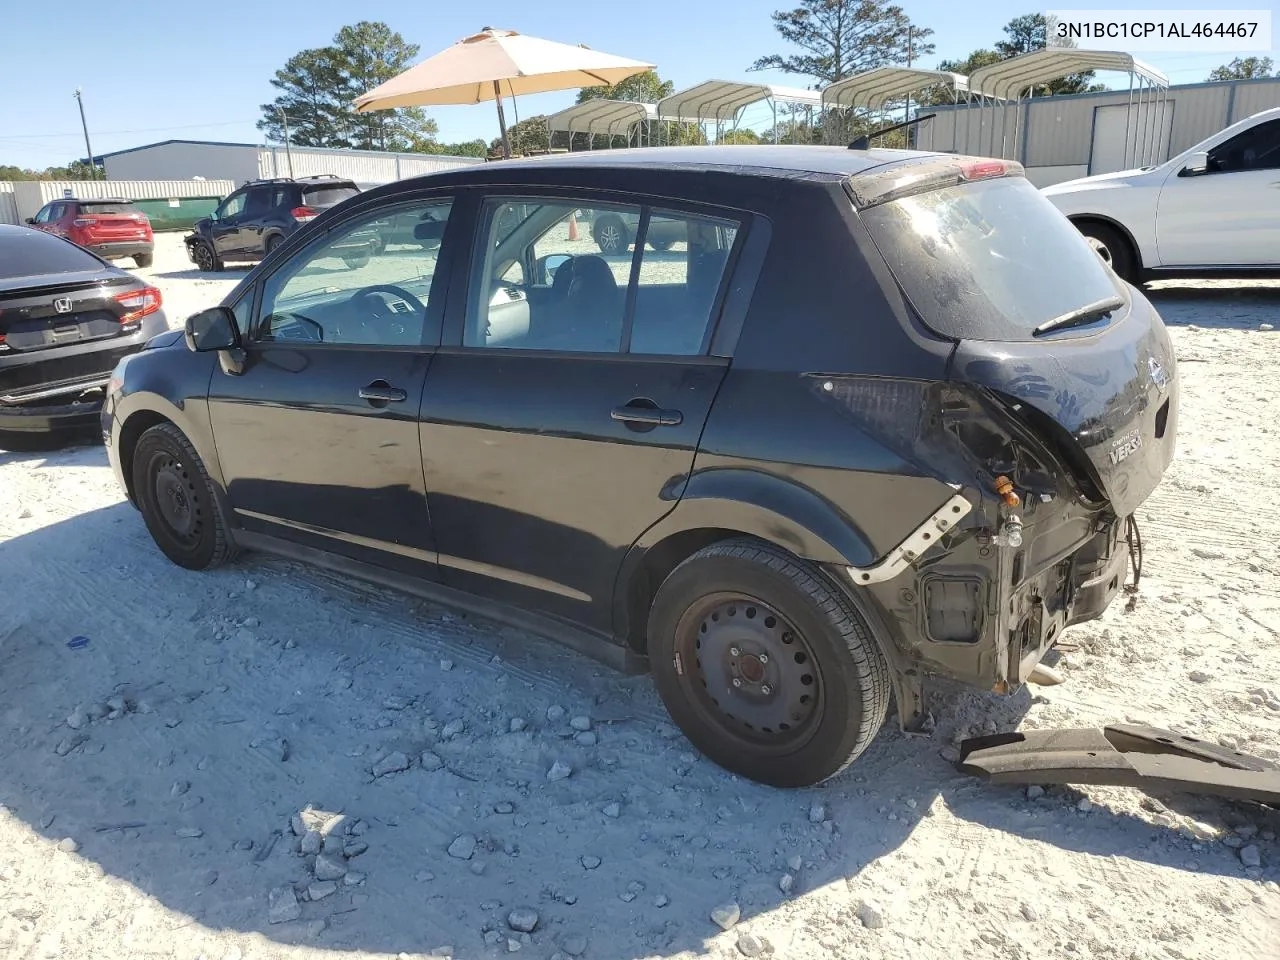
pixel 725 504
pixel 1139 257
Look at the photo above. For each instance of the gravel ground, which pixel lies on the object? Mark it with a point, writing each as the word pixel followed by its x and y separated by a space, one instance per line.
pixel 267 761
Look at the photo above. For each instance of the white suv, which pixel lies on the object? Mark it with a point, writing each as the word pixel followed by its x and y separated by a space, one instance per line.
pixel 1213 210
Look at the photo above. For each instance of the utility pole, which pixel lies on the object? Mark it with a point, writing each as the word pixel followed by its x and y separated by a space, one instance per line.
pixel 910 56
pixel 85 127
pixel 284 119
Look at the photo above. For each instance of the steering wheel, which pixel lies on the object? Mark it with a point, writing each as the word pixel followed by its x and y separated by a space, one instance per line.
pixel 364 300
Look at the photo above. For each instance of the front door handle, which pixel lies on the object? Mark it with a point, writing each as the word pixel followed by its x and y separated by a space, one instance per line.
pixel 647 416
pixel 382 392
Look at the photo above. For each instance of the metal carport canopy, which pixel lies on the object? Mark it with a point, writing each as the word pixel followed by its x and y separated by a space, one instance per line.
pixel 874 88
pixel 720 100
pixel 1008 79
pixel 604 117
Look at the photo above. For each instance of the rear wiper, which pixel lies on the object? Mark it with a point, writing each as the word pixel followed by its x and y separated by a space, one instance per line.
pixel 1098 310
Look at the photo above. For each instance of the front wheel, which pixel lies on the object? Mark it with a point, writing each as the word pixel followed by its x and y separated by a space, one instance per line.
pixel 355 263
pixel 206 260
pixel 610 234
pixel 765 666
pixel 177 500
pixel 1113 248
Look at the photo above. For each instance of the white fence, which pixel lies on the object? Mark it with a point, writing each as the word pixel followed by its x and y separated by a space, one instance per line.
pixel 20 199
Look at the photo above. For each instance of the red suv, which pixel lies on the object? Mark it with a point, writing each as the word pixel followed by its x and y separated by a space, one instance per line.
pixel 110 227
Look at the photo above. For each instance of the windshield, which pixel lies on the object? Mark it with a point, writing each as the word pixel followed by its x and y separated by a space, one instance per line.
pixel 327 196
pixel 988 261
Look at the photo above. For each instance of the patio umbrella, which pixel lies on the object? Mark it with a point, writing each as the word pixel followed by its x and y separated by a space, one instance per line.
pixel 494 63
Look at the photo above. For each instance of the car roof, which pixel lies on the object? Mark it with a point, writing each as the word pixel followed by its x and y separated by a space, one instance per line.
pixel 791 161
pixel 96 200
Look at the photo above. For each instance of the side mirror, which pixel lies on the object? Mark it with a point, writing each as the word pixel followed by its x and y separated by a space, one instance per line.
pixel 1196 164
pixel 428 231
pixel 212 329
pixel 548 265
pixel 31 219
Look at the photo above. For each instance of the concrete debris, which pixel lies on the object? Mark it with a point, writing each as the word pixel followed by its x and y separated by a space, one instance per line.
pixel 726 915
pixel 282 905
pixel 463 848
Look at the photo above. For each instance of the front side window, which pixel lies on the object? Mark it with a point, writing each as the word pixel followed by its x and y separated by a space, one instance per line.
pixel 547 276
pixel 232 206
pixel 44 215
pixel 367 282
pixel 1256 149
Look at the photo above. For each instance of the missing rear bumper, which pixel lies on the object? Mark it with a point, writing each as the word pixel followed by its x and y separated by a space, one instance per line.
pixel 939 523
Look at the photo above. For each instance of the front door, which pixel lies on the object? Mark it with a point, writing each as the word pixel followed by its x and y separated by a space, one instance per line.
pixel 224 230
pixel 1228 215
pixel 563 420
pixel 318 435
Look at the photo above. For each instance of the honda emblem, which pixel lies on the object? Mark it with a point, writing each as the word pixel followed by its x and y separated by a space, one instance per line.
pixel 62 305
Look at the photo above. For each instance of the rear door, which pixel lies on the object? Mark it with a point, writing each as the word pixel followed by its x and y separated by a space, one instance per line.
pixel 561 419
pixel 253 220
pixel 317 436
pixel 1230 214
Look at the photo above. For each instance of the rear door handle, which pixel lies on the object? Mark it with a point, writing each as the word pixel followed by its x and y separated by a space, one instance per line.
pixel 382 391
pixel 647 416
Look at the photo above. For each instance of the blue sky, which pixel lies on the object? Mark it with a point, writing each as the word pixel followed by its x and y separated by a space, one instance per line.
pixel 155 70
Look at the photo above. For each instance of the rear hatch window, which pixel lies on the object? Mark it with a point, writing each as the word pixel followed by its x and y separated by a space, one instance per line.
pixel 97 208
pixel 327 196
pixel 992 260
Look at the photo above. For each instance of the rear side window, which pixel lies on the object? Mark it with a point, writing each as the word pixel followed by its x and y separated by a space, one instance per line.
pixel 987 261
pixel 105 207
pixel 327 196
pixel 32 253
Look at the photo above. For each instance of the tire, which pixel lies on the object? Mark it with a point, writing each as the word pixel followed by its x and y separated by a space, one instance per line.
pixel 191 530
pixel 143 259
pixel 355 263
pixel 662 246
pixel 610 234
pixel 206 260
pixel 273 241
pixel 1113 247
pixel 735 601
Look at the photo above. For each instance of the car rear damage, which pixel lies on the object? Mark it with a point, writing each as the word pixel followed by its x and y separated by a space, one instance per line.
pixel 1050 429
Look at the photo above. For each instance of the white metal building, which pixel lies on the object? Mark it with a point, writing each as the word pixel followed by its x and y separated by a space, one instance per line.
pixel 186 159
pixel 1064 137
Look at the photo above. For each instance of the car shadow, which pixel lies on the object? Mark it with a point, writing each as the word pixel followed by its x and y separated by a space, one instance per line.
pixel 230 272
pixel 1224 306
pixel 255 689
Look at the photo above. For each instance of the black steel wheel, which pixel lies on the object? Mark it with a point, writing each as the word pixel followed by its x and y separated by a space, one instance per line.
pixel 177 500
pixel 767 668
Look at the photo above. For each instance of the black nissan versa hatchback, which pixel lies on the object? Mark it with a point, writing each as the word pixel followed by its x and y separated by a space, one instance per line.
pixel 877 415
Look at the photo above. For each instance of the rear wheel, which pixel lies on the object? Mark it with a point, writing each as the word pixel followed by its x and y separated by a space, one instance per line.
pixel 177 500
pixel 610 234
pixel 205 259
pixel 660 245
pixel 273 241
pixel 143 259
pixel 355 263
pixel 1113 247
pixel 766 668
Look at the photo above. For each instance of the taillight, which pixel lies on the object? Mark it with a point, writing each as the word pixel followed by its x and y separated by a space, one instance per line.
pixel 303 214
pixel 984 169
pixel 138 303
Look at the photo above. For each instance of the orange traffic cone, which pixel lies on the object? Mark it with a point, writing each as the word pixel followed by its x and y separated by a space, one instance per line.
pixel 573 226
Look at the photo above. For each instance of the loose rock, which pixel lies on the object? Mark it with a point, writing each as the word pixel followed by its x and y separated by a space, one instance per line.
pixel 446 665
pixel 329 868
pixel 817 813
pixel 333 845
pixel 661 900
pixel 1030 913
pixel 64 747
pixel 189 833
pixel 68 845
pixel 353 848
pixel 950 754
pixel 282 905
pixel 749 945
pixel 871 915
pixel 555 714
pixel 612 810
pixel 590 862
pixel 353 878
pixel 391 763
pixel 79 718
pixel 559 771
pixel 581 723
pixel 1035 792
pixel 452 729
pixel 795 863
pixel 786 882
pixel 1250 856
pixel 504 807
pixel 1085 805
pixel 523 919
pixel 517 724
pixel 1266 327
pixel 585 739
pixel 311 843
pixel 726 915
pixel 430 761
pixel 321 889
pixel 1198 676
pixel 463 848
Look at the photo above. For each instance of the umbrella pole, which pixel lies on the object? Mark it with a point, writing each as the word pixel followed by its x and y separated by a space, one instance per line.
pixel 502 121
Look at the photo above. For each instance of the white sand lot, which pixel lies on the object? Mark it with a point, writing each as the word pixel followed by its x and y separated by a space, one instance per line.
pixel 161 828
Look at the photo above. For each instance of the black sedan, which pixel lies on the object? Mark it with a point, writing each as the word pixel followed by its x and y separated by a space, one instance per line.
pixel 870 415
pixel 66 318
